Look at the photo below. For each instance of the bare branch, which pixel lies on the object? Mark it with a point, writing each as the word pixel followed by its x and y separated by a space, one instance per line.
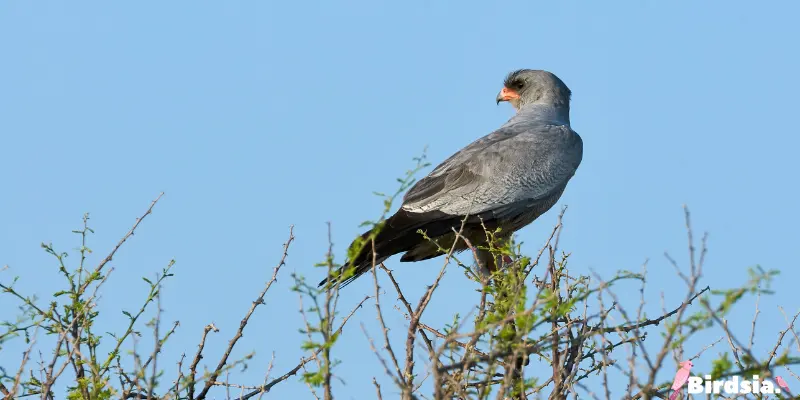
pixel 243 323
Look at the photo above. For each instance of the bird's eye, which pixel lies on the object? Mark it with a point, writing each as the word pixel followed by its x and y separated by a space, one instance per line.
pixel 519 85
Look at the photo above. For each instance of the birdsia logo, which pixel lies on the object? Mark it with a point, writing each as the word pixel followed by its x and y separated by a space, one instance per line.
pixel 734 385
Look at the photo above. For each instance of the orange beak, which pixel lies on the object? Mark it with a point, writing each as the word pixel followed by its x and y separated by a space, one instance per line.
pixel 506 95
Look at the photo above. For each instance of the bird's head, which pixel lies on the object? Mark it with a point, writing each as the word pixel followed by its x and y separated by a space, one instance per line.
pixel 686 364
pixel 528 86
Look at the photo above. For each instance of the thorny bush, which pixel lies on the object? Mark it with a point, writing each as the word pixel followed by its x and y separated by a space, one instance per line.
pixel 533 315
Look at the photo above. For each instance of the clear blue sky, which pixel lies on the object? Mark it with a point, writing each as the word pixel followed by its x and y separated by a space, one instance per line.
pixel 253 116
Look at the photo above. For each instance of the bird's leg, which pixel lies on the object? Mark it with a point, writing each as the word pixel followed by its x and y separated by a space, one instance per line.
pixel 487 264
pixel 520 361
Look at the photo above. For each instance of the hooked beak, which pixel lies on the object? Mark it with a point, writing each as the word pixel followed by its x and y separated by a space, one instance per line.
pixel 506 95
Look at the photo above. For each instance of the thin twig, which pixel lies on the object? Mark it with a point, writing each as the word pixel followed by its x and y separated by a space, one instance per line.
pixel 239 333
pixel 303 361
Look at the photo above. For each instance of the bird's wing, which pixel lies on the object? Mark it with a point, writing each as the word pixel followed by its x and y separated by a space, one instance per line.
pixel 517 163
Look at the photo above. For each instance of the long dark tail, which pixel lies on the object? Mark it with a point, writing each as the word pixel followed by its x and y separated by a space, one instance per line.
pixel 396 235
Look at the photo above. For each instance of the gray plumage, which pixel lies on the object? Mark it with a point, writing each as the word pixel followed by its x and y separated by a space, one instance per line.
pixel 506 179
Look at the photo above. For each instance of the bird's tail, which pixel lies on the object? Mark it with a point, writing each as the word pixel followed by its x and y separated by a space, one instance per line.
pixel 361 257
pixel 395 235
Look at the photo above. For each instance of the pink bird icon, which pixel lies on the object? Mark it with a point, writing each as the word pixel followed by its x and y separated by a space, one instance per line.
pixel 680 378
pixel 782 383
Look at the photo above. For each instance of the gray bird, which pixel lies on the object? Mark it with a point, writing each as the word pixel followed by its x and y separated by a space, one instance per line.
pixel 505 180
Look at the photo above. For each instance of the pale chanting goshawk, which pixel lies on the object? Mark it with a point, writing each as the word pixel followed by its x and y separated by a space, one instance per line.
pixel 505 179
